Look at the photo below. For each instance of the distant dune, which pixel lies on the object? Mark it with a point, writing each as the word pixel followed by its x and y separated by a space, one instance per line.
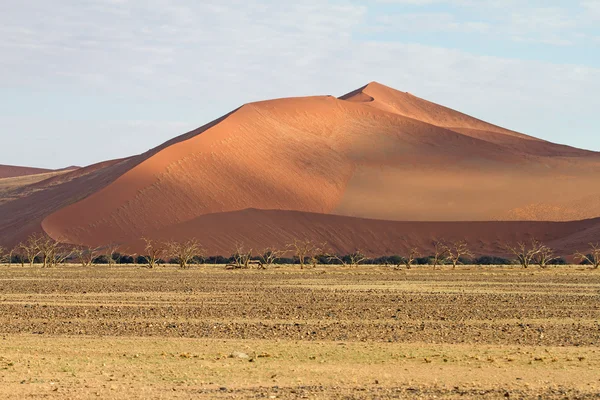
pixel 376 169
pixel 11 171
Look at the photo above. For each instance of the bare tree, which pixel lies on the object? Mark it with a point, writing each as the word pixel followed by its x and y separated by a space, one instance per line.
pixel 306 250
pixel 593 256
pixel 356 258
pixel 154 252
pixel 17 253
pixel 409 260
pixel 52 252
pixel 12 253
pixel 525 253
pixel 2 254
pixel 456 251
pixel 184 252
pixel 269 256
pixel 29 250
pixel 241 257
pixel 109 252
pixel 86 255
pixel 353 260
pixel 545 255
pixel 439 253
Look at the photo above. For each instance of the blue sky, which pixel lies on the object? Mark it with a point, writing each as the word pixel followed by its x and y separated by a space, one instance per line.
pixel 83 81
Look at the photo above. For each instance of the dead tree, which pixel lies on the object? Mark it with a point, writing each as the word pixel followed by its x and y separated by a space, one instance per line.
pixel 353 260
pixel 29 250
pixel 14 252
pixel 356 258
pixel 86 255
pixel 2 254
pixel 439 254
pixel 154 252
pixel 17 254
pixel 184 252
pixel 593 256
pixel 306 250
pixel 52 252
pixel 241 257
pixel 545 255
pixel 525 254
pixel 109 253
pixel 409 260
pixel 456 251
pixel 269 256
pixel 47 248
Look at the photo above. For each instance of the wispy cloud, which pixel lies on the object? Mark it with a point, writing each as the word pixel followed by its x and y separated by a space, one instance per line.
pixel 548 23
pixel 428 22
pixel 193 61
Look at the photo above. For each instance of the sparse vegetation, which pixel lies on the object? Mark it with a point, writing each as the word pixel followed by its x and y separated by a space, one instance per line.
pixel 241 257
pixel 38 248
pixel 109 252
pixel 545 256
pixel 353 260
pixel 154 252
pixel 270 255
pixel 306 251
pixel 592 257
pixel 184 252
pixel 29 250
pixel 456 251
pixel 52 252
pixel 439 254
pixel 409 259
pixel 525 253
pixel 86 255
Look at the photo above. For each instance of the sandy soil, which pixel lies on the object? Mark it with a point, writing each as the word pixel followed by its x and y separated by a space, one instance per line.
pixel 370 332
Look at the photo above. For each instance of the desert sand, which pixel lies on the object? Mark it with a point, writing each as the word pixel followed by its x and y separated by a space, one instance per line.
pixel 327 333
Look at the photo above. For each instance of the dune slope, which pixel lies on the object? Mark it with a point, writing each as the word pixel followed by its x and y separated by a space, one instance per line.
pixel 259 229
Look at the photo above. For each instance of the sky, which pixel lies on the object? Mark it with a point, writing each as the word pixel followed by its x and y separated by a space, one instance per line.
pixel 83 81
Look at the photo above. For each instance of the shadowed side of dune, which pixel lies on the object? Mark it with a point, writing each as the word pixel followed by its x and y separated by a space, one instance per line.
pixel 259 229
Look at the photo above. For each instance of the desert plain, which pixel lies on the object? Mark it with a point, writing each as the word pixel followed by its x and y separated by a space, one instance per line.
pixel 330 332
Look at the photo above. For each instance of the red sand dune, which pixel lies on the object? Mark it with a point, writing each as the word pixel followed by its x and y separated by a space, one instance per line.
pixel 259 229
pixel 374 154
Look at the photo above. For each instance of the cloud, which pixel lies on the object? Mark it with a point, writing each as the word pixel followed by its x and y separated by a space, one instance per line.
pixel 526 22
pixel 159 61
pixel 101 44
pixel 428 22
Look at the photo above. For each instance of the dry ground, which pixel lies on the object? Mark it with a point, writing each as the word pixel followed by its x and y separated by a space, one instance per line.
pixel 330 332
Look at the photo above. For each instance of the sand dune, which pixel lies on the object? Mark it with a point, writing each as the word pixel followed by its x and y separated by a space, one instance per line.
pixel 11 171
pixel 259 229
pixel 375 153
